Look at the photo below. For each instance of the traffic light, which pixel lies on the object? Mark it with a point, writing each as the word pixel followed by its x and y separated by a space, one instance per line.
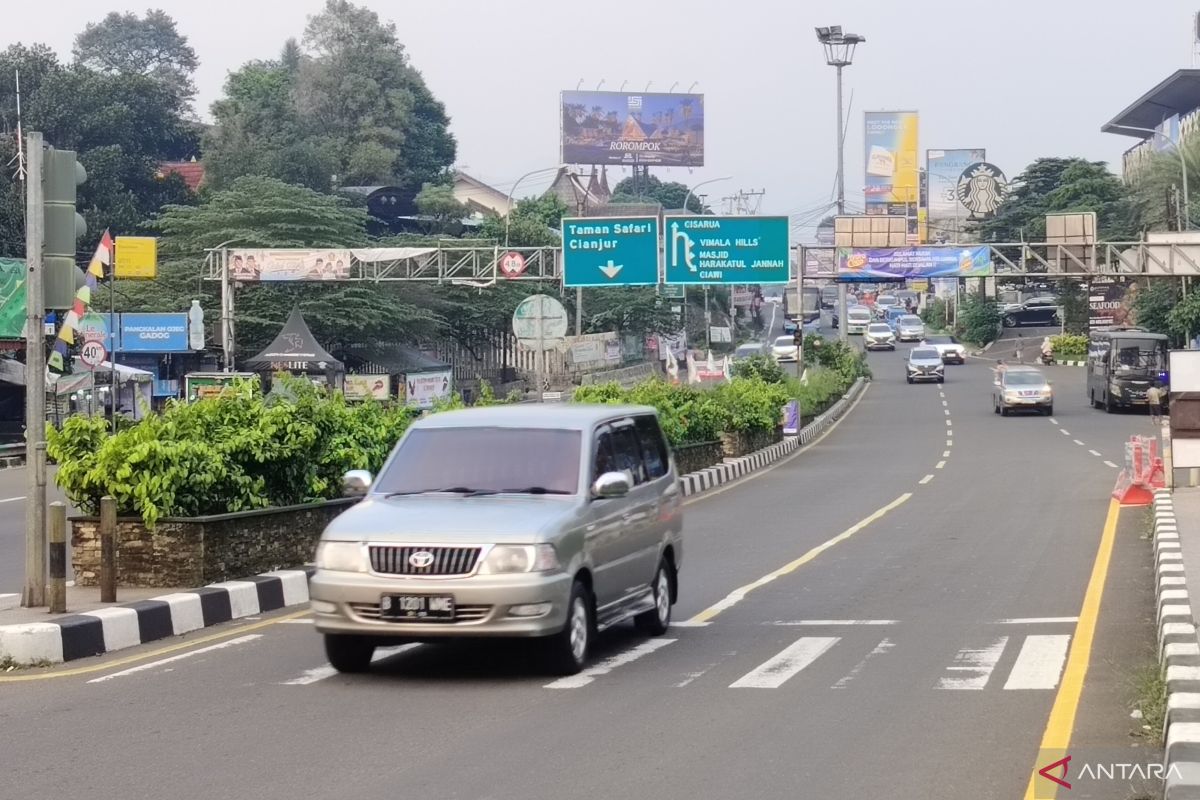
pixel 798 337
pixel 64 226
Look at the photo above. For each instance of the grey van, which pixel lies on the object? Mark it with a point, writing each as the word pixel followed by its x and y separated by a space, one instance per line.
pixel 552 522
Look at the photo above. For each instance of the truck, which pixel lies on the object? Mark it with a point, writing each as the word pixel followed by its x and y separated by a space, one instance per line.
pixel 803 313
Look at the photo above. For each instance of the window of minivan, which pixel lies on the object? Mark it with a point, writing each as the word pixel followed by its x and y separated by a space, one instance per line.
pixel 638 449
pixel 486 460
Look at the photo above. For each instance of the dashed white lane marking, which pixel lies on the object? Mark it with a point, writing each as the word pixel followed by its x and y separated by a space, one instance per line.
pixel 926 479
pixel 946 411
pixel 1079 443
pixel 945 402
pixel 973 666
pixel 880 649
pixel 1094 453
pixel 946 454
pixel 949 443
pixel 776 671
pixel 609 664
pixel 1039 663
pixel 1053 421
pixel 940 465
pixel 1064 431
pixel 156 664
pixel 949 432
pixel 1035 620
pixel 315 674
pixel 948 423
pixel 1110 464
pixel 687 623
pixel 834 622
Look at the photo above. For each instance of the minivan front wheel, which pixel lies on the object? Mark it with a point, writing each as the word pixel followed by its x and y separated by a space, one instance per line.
pixel 567 650
pixel 656 621
pixel 349 653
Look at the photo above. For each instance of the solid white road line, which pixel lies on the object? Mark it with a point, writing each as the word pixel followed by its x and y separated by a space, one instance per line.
pixel 609 664
pixel 835 622
pixel 11 499
pixel 925 480
pixel 687 623
pixel 315 674
pixel 1110 464
pixel 774 672
pixel 880 649
pixel 1040 662
pixel 940 465
pixel 1079 443
pixel 972 667
pixel 156 664
pixel 1094 453
pixel 1035 620
pixel 301 621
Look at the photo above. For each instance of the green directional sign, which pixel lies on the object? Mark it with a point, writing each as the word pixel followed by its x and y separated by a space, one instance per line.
pixel 727 250
pixel 610 251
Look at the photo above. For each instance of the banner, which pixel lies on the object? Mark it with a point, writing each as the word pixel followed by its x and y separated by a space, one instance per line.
pixel 898 263
pixel 623 128
pixel 892 164
pixel 427 387
pixel 363 387
pixel 153 333
pixel 289 265
pixel 12 298
pixel 944 172
pixel 1111 303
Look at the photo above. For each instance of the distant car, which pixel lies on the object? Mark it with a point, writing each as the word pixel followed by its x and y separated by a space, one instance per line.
pixel 910 328
pixel 1034 311
pixel 1022 388
pixel 893 315
pixel 884 302
pixel 829 296
pixel 784 349
pixel 857 319
pixel 879 336
pixel 790 326
pixel 749 350
pixel 925 364
pixel 952 351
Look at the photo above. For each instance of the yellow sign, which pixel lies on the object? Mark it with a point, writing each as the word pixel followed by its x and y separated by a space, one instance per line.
pixel 137 257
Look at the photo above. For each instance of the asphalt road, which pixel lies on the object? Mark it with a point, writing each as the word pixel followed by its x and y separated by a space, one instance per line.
pixel 930 562
pixel 12 525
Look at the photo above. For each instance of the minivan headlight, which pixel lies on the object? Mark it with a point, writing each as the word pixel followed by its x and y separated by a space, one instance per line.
pixel 341 557
pixel 505 559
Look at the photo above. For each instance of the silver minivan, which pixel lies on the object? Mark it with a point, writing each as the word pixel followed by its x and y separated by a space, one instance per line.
pixel 549 522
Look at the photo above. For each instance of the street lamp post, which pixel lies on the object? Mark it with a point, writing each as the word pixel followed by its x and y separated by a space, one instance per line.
pixel 692 190
pixel 839 53
pixel 508 209
pixel 1187 215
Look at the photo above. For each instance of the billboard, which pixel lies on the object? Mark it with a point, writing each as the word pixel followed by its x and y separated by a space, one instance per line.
pixel 362 387
pixel 892 168
pixel 898 263
pixel 625 128
pixel 289 265
pixel 153 333
pixel 946 213
pixel 1111 303
pixel 424 389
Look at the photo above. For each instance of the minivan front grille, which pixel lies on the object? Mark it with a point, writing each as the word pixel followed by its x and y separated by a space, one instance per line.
pixel 399 560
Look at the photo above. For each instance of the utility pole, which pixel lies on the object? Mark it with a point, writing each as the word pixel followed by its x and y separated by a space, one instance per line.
pixel 36 576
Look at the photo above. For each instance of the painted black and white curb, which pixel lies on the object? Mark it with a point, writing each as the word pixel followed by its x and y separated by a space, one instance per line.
pixel 93 633
pixel 1179 653
pixel 1070 363
pixel 733 468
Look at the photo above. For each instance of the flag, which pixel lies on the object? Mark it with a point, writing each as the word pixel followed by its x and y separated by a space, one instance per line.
pixel 672 366
pixel 102 257
pixel 727 368
pixel 83 298
pixel 693 371
pixel 711 365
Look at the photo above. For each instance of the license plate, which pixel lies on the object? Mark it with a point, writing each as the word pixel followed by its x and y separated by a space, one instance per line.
pixel 417 607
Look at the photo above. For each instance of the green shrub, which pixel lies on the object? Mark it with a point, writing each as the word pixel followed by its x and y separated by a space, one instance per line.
pixel 764 368
pixel 934 315
pixel 1070 346
pixel 979 319
pixel 752 405
pixel 821 389
pixel 688 414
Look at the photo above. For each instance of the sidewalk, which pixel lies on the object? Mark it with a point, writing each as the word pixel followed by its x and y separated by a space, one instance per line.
pixel 1187 518
pixel 80 599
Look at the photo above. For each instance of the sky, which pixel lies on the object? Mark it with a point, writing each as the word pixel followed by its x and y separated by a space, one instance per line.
pixel 1023 78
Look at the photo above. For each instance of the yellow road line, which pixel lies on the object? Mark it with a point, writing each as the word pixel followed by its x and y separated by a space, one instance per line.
pixel 696 498
pixel 1057 737
pixel 737 595
pixel 235 631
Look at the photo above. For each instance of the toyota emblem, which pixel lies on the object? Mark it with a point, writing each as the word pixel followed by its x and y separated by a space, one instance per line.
pixel 421 559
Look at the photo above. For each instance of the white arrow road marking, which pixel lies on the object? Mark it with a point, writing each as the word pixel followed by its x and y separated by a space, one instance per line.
pixel 610 269
pixel 776 671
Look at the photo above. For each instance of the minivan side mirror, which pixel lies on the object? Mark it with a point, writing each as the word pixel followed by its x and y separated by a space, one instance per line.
pixel 610 485
pixel 356 482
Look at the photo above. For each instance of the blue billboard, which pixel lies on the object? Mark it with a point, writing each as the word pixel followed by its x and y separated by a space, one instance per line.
pixel 899 263
pixel 154 333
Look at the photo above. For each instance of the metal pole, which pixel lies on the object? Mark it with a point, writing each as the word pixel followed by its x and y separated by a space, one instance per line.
pixel 707 320
pixel 58 557
pixel 1187 211
pixel 35 381
pixel 841 166
pixel 540 359
pixel 579 311
pixel 108 549
pixel 114 388
pixel 842 323
pixel 226 312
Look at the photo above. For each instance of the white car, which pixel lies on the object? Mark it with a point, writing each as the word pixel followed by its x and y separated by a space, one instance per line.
pixel 952 350
pixel 910 328
pixel 857 319
pixel 884 303
pixel 784 349
pixel 879 336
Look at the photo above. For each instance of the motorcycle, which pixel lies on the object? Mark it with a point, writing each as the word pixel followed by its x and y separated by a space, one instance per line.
pixel 1047 358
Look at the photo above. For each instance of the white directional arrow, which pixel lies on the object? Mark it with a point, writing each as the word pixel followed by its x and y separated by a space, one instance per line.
pixel 610 269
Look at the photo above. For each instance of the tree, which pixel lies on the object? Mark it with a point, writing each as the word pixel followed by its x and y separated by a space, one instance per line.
pixel 1158 185
pixel 343 106
pixel 670 194
pixel 978 318
pixel 438 201
pixel 150 47
pixel 535 222
pixel 1051 185
pixel 1152 308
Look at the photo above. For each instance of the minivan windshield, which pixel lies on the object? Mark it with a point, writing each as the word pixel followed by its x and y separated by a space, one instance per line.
pixel 485 460
pixel 859 313
pixel 924 354
pixel 1024 379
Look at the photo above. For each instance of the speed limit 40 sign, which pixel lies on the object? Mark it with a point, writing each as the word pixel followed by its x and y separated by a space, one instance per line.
pixel 93 353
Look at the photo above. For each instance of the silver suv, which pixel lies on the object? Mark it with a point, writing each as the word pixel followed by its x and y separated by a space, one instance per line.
pixel 511 521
